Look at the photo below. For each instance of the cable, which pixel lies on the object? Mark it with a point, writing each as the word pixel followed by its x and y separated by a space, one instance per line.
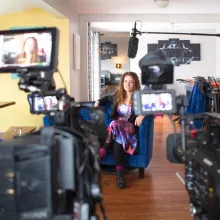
pixel 62 79
pixel 86 157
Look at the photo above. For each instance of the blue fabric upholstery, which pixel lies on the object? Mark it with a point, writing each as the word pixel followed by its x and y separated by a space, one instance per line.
pixel 46 121
pixel 145 148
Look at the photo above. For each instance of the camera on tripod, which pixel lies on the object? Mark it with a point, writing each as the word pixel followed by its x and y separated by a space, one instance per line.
pixel 156 73
pixel 198 150
pixel 54 173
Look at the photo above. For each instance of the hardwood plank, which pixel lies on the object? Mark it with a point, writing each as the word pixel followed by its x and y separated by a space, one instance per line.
pixel 159 196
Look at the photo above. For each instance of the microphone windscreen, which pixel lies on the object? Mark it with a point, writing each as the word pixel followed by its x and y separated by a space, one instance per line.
pixel 133 47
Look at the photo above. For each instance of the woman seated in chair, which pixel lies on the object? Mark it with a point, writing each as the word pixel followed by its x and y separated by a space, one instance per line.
pixel 123 130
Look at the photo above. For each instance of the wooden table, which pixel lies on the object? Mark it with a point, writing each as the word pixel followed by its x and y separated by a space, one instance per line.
pixel 10 133
pixel 6 104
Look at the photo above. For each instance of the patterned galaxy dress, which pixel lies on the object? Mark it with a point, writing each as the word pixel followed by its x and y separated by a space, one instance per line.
pixel 122 131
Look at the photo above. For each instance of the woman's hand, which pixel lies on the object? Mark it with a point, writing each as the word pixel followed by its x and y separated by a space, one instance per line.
pixel 96 104
pixel 139 120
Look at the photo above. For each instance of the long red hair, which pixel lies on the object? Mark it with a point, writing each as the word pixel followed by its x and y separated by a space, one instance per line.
pixel 121 94
pixel 34 58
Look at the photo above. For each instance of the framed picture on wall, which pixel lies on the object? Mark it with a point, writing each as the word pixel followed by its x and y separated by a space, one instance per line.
pixel 109 50
pixel 177 51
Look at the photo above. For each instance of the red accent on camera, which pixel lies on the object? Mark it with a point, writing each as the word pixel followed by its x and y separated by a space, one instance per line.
pixel 193 133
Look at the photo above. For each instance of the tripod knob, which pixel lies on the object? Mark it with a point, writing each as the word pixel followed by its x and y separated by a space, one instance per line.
pixel 195 210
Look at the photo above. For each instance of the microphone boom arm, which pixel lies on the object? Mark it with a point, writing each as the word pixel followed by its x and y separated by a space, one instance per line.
pixel 195 34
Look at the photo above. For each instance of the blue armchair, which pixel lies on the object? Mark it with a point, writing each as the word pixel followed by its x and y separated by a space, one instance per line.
pixel 143 154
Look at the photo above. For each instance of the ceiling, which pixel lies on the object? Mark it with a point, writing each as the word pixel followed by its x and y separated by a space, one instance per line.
pixel 116 6
pixel 111 35
pixel 145 26
pixel 12 6
pixel 143 6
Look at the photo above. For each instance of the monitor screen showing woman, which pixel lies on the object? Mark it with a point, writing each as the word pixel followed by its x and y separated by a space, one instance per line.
pixel 26 49
pixel 157 102
pixel 48 103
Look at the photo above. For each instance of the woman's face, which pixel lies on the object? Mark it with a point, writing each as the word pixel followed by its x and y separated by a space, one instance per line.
pixel 158 100
pixel 128 84
pixel 49 104
pixel 29 46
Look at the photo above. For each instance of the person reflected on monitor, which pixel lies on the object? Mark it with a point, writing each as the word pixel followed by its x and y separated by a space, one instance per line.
pixel 49 104
pixel 167 99
pixel 30 52
pixel 159 105
pixel 149 103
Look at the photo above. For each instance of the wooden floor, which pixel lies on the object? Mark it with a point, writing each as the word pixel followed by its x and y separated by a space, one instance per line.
pixel 159 196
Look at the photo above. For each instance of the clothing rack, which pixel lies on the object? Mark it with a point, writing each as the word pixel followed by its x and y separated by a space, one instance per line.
pixel 205 88
pixel 212 79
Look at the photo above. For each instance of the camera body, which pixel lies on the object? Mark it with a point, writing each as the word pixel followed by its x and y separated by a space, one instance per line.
pixel 36 178
pixel 155 98
pixel 43 177
pixel 199 151
pixel 202 165
pixel 202 180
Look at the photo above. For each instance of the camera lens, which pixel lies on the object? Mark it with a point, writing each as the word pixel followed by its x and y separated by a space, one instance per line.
pixel 155 70
pixel 175 153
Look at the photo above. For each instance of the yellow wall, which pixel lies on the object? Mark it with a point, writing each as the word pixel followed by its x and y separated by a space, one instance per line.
pixel 19 114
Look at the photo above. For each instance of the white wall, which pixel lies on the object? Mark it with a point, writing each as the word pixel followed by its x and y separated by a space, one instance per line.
pixel 218 53
pixel 172 18
pixel 207 65
pixel 75 77
pixel 122 58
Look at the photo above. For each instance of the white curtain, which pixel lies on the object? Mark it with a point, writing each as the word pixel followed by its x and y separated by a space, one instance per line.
pixel 94 64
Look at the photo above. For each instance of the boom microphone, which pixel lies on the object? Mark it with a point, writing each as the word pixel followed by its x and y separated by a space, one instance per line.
pixel 133 43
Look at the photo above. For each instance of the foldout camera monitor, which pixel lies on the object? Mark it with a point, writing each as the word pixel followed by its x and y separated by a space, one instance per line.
pixel 28 50
pixel 154 102
pixel 40 104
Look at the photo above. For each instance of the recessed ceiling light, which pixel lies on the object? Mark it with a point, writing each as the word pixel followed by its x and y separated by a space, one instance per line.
pixel 162 3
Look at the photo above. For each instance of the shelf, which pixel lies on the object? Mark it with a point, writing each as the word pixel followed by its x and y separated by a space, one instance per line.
pixel 6 104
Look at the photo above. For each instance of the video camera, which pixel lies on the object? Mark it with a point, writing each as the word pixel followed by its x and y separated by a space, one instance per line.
pixel 156 72
pixel 54 173
pixel 198 150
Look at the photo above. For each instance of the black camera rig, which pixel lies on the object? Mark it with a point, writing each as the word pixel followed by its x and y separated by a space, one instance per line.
pixel 199 150
pixel 53 173
pixel 202 164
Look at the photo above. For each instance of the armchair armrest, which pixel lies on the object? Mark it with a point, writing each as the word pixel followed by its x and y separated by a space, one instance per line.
pixel 146 132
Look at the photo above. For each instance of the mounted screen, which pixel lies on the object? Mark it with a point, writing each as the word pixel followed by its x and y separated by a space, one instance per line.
pixel 28 50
